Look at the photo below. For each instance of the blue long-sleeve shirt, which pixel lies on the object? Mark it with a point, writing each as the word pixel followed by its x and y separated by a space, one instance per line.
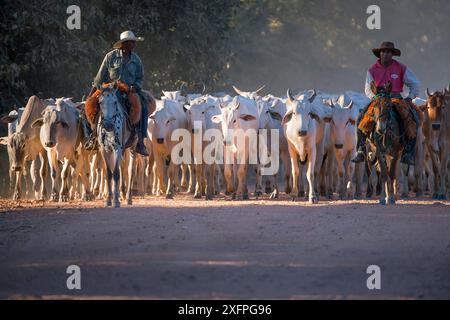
pixel 115 68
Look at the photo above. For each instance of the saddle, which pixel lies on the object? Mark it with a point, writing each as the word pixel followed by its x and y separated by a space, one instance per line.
pixel 409 119
pixel 132 108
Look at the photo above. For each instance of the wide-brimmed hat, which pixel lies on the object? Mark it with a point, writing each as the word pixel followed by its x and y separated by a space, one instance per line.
pixel 386 45
pixel 126 36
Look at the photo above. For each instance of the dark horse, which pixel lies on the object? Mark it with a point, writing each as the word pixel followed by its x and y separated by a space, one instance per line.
pixel 386 142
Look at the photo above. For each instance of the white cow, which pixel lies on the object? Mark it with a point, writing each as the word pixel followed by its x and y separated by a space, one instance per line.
pixel 199 114
pixel 304 132
pixel 239 121
pixel 24 144
pixel 60 136
pixel 341 144
pixel 271 112
pixel 168 117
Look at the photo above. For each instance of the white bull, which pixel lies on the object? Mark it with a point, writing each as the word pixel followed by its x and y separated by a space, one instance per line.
pixel 239 121
pixel 168 117
pixel 60 136
pixel 24 145
pixel 199 114
pixel 304 132
pixel 340 144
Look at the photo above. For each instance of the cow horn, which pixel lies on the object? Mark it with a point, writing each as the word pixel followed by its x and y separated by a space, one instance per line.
pixel 260 89
pixel 239 92
pixel 289 95
pixel 183 85
pixel 204 87
pixel 350 105
pixel 313 96
pixel 428 93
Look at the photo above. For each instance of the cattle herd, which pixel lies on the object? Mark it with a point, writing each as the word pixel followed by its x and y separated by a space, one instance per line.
pixel 221 143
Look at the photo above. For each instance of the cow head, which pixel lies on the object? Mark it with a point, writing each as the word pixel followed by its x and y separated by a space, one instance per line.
pixel 164 120
pixel 300 113
pixel 436 104
pixel 233 118
pixel 16 145
pixel 52 124
pixel 339 118
pixel 197 113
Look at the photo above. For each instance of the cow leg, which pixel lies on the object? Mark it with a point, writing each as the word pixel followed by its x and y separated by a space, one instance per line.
pixel 199 181
pixel 131 165
pixel 341 180
pixel 295 173
pixel 228 174
pixel 54 174
pixel 33 175
pixel 349 172
pixel 171 173
pixel 258 178
pixel 310 175
pixel 287 172
pixel 209 177
pixel 18 186
pixel 183 183
pixel 64 192
pixel 124 173
pixel 241 193
pixel 160 168
pixel 191 178
pixel 442 193
pixel 43 171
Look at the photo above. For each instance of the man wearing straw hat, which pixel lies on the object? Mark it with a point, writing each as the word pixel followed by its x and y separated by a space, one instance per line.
pixel 383 71
pixel 124 65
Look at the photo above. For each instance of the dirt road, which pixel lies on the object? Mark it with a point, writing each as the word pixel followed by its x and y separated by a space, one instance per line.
pixel 193 249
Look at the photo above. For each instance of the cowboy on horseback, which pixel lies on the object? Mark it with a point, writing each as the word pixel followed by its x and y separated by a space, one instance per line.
pixel 383 71
pixel 124 66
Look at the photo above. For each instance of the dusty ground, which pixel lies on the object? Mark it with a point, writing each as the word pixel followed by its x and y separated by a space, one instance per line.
pixel 192 249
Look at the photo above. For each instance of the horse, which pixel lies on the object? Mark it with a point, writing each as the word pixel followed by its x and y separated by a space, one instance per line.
pixel 386 142
pixel 114 135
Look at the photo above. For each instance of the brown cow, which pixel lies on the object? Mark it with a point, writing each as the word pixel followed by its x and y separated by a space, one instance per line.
pixel 437 133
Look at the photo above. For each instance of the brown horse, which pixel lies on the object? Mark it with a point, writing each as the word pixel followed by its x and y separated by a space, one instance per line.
pixel 386 142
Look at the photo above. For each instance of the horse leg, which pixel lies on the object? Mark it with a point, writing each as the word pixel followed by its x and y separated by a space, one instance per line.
pixel 116 177
pixel 108 181
pixel 131 171
pixel 392 180
pixel 383 178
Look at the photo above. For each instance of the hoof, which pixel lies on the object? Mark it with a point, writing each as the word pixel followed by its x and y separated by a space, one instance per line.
pixel 392 201
pixel 419 194
pixel 357 196
pixel 108 203
pixel 209 197
pixel 116 204
pixel 382 202
pixel 435 196
pixel 313 200
pixel 273 195
pixel 198 196
pixel 405 196
pixel 287 190
pixel 301 194
pixel 441 197
pixel 257 193
pixel 245 196
pixel 169 196
pixel 129 202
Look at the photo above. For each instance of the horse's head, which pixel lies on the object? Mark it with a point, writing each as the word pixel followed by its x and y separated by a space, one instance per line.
pixel 109 106
pixel 382 105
